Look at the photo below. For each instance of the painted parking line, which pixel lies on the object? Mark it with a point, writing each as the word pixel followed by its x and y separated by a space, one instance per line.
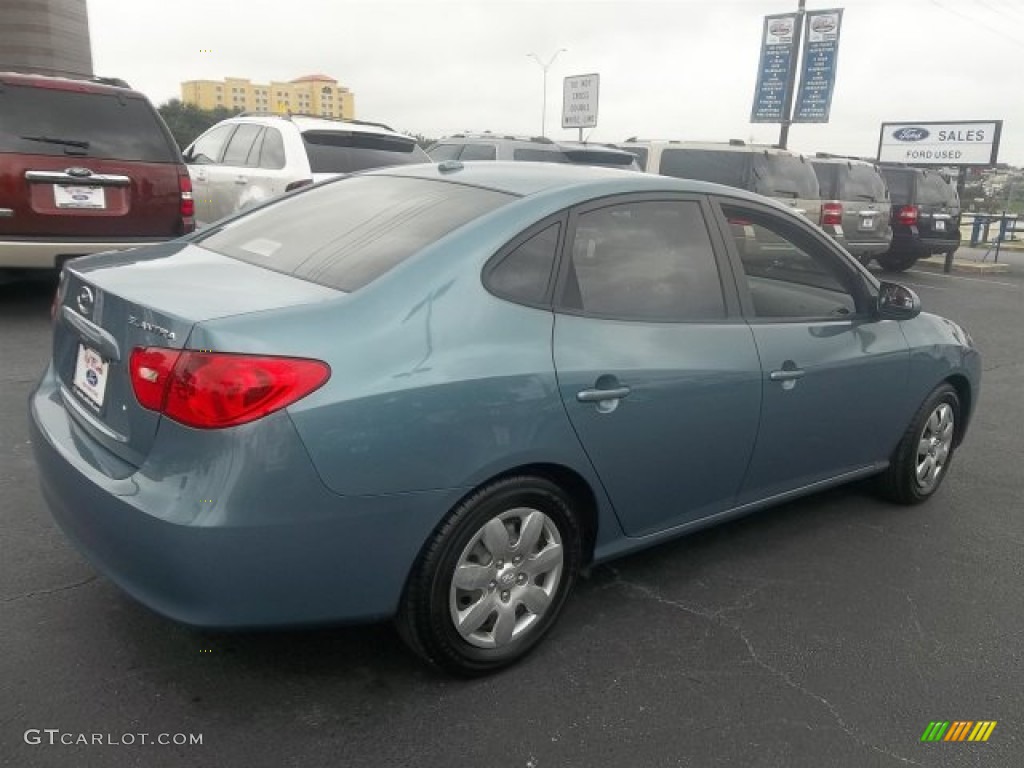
pixel 968 279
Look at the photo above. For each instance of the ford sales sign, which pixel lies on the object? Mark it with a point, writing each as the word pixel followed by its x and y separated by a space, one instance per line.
pixel 972 142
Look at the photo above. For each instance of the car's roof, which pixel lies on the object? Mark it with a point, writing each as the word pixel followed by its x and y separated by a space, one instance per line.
pixel 840 160
pixel 720 146
pixel 529 178
pixel 110 85
pixel 540 141
pixel 308 123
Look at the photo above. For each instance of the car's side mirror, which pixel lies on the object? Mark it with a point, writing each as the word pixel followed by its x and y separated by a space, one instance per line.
pixel 897 302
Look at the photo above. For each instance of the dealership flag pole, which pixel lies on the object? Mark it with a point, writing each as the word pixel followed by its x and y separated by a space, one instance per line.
pixel 787 108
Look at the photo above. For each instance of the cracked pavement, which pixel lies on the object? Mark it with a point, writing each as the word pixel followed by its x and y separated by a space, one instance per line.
pixel 826 632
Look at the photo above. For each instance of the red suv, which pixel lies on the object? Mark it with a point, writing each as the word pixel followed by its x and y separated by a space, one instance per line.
pixel 85 166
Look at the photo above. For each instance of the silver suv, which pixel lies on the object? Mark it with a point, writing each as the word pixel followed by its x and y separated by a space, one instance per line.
pixel 250 158
pixel 855 206
pixel 493 146
pixel 777 173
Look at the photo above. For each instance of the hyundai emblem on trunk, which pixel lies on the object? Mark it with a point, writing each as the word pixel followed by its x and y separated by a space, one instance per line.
pixel 85 300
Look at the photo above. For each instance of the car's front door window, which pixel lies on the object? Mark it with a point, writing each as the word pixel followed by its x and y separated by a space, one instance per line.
pixel 788 273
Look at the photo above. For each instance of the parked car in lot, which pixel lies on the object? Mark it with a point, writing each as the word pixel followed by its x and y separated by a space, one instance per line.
pixel 251 158
pixel 855 206
pixel 242 428
pixel 86 165
pixel 777 173
pixel 925 216
pixel 537 149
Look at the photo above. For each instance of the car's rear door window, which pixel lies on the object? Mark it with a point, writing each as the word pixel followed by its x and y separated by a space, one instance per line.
pixel 644 260
pixel 344 152
pixel 241 143
pixel 348 233
pixel 49 121
pixel 729 168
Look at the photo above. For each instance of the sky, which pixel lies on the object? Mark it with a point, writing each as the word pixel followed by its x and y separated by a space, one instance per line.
pixel 675 69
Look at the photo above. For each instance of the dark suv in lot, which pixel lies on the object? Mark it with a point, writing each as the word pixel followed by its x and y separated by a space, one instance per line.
pixel 925 216
pixel 85 166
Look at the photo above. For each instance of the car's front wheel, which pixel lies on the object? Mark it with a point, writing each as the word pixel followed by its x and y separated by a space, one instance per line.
pixel 494 577
pixel 923 457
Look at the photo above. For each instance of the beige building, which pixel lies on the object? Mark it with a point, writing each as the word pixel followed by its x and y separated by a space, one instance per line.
pixel 311 95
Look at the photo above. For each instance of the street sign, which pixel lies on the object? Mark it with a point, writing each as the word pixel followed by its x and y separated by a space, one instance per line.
pixel 579 101
pixel 773 75
pixel 818 75
pixel 968 142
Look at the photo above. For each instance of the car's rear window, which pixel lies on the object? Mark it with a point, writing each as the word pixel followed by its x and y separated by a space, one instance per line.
pixel 729 168
pixel 828 179
pixel 789 176
pixel 344 152
pixel 539 155
pixel 46 121
pixel 933 189
pixel 861 182
pixel 640 153
pixel 600 157
pixel 900 183
pixel 347 233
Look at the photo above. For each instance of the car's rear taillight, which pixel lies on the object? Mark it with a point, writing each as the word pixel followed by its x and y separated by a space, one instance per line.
pixel 298 184
pixel 907 215
pixel 832 215
pixel 188 203
pixel 212 390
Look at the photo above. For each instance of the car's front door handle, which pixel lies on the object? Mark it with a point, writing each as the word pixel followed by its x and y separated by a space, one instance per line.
pixel 786 374
pixel 601 395
pixel 241 180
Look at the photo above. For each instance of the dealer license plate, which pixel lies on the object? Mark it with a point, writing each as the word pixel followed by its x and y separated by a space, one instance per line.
pixel 75 196
pixel 90 375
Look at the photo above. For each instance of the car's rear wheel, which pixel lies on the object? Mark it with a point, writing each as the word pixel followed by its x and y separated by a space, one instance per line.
pixel 896 262
pixel 925 452
pixel 494 577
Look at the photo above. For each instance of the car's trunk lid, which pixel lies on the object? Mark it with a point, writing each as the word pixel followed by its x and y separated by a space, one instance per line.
pixel 112 303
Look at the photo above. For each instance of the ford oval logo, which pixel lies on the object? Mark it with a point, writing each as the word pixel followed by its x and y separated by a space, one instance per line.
pixel 781 28
pixel 910 133
pixel 823 23
pixel 77 172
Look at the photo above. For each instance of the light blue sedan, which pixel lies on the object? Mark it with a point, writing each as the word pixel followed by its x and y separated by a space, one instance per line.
pixel 435 393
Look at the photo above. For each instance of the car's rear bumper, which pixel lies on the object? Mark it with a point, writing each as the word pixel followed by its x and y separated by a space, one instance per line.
pixel 264 544
pixel 46 254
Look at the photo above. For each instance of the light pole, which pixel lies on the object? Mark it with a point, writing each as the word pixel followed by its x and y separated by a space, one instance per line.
pixel 545 67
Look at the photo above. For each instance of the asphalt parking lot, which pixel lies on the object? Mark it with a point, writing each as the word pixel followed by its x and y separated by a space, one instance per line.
pixel 827 632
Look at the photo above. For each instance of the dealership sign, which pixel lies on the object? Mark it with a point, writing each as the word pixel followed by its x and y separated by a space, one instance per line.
pixel 971 142
pixel 818 68
pixel 777 58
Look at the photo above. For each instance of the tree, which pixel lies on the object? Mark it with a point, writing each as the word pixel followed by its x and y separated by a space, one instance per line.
pixel 187 121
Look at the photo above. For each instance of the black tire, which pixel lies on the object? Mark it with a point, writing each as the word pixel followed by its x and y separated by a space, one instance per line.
pixel 896 262
pixel 899 483
pixel 425 618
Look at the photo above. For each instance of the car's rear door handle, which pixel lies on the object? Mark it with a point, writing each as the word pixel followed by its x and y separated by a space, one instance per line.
pixel 241 180
pixel 600 395
pixel 786 374
pixel 6 213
